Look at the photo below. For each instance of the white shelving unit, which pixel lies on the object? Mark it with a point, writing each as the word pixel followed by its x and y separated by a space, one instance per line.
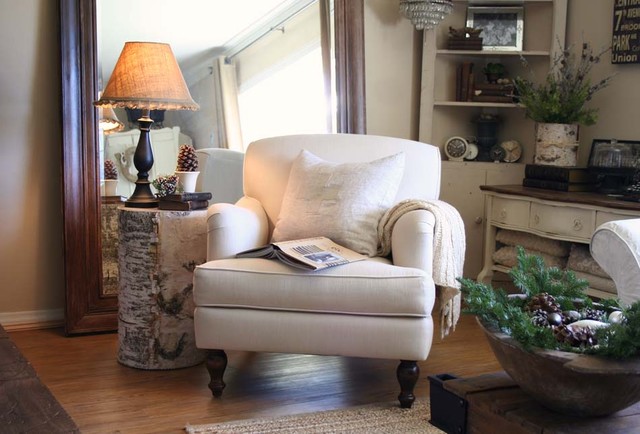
pixel 441 116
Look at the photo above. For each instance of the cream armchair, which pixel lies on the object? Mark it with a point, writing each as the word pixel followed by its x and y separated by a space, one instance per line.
pixel 615 245
pixel 220 173
pixel 376 308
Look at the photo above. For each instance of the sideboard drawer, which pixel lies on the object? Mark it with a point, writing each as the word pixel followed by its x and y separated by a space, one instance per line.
pixel 510 212
pixel 563 221
pixel 605 216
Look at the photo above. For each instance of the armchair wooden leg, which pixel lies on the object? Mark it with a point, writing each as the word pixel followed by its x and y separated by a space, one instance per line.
pixel 216 364
pixel 408 372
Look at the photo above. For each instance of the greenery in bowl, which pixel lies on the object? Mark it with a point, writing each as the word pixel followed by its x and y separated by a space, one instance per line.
pixel 511 314
pixel 562 97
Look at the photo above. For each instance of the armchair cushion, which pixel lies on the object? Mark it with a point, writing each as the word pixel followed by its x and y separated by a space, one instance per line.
pixel 370 287
pixel 343 202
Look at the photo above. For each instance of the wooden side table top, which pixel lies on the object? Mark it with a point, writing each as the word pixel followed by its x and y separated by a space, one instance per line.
pixel 497 405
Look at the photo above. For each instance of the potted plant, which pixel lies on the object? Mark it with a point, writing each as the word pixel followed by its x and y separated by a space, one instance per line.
pixel 494 72
pixel 558 104
pixel 569 353
pixel 187 168
pixel 110 181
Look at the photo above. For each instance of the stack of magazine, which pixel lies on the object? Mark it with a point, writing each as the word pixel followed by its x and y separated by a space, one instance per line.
pixel 185 201
pixel 307 254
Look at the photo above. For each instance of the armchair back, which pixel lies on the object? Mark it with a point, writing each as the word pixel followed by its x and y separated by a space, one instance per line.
pixel 268 162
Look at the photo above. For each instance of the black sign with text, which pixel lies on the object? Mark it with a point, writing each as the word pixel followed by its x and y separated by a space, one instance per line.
pixel 625 46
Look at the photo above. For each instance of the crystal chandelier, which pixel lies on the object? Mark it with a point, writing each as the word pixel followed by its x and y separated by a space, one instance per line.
pixel 425 14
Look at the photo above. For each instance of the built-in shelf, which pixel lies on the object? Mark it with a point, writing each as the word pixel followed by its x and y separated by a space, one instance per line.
pixel 475 104
pixel 525 53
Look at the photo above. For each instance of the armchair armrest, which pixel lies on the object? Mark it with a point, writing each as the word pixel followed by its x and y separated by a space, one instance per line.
pixel 412 240
pixel 234 228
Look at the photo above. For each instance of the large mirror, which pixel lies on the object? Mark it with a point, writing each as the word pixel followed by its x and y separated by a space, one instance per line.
pixel 90 307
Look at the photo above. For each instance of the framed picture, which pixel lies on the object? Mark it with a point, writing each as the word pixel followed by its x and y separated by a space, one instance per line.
pixel 618 154
pixel 502 26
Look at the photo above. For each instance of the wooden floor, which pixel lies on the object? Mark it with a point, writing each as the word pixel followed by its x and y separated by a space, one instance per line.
pixel 103 396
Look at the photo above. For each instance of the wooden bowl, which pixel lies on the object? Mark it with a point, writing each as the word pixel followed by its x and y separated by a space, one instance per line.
pixel 571 383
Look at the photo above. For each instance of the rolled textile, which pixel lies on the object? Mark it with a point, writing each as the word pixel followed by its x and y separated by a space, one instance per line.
pixel 533 242
pixel 508 256
pixel 598 282
pixel 580 259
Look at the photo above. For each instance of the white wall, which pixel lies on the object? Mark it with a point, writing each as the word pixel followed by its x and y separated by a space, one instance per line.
pixel 31 262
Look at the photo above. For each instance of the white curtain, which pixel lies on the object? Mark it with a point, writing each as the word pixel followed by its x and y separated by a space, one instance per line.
pixel 228 115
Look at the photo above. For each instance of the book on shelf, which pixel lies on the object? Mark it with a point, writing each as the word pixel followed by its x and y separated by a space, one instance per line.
pixel 495 88
pixel 184 197
pixel 558 185
pixel 188 205
pixel 559 173
pixel 493 98
pixel 312 254
pixel 463 43
pixel 466 81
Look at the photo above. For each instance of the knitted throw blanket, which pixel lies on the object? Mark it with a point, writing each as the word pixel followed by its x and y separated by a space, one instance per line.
pixel 448 252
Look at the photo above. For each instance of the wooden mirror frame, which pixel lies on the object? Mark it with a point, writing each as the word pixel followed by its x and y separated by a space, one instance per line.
pixel 86 310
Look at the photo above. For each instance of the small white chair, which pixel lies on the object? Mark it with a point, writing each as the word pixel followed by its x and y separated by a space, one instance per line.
pixel 220 173
pixel 377 308
pixel 615 245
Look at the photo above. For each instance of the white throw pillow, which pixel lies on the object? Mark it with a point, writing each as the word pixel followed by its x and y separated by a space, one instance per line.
pixel 343 202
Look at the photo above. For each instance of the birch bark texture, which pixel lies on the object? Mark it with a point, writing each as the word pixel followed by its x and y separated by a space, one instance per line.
pixel 157 253
pixel 556 144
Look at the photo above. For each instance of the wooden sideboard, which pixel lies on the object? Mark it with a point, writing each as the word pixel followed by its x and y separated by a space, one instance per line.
pixel 550 214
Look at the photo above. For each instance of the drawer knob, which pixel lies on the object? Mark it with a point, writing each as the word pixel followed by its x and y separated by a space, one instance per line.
pixel 478 220
pixel 503 213
pixel 536 219
pixel 577 225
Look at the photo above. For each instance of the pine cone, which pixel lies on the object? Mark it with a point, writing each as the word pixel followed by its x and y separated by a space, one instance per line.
pixel 110 171
pixel 539 318
pixel 165 185
pixel 564 335
pixel 543 301
pixel 585 337
pixel 187 159
pixel 592 313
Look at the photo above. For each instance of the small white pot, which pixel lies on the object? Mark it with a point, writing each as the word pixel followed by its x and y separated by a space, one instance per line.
pixel 187 181
pixel 110 187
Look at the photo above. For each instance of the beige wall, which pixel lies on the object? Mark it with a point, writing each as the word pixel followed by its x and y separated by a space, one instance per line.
pixel 619 104
pixel 393 57
pixel 31 276
pixel 31 260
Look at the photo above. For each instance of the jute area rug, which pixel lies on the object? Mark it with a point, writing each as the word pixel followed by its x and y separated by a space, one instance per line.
pixel 377 418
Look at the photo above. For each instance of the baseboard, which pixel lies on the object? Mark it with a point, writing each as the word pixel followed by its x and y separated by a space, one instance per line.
pixel 32 319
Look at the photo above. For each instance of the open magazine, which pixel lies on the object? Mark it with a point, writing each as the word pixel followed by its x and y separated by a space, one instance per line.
pixel 308 253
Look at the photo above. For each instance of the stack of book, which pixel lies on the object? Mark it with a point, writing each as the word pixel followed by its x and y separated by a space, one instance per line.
pixel 464 43
pixel 492 92
pixel 559 178
pixel 464 81
pixel 185 201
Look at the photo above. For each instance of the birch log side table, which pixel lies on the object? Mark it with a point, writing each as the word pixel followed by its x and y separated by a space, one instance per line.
pixel 157 253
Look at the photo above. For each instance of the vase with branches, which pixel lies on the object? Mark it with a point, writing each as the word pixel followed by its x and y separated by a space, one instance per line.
pixel 558 104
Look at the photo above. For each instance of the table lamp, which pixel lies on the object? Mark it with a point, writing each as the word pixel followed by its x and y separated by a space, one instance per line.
pixel 147 77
